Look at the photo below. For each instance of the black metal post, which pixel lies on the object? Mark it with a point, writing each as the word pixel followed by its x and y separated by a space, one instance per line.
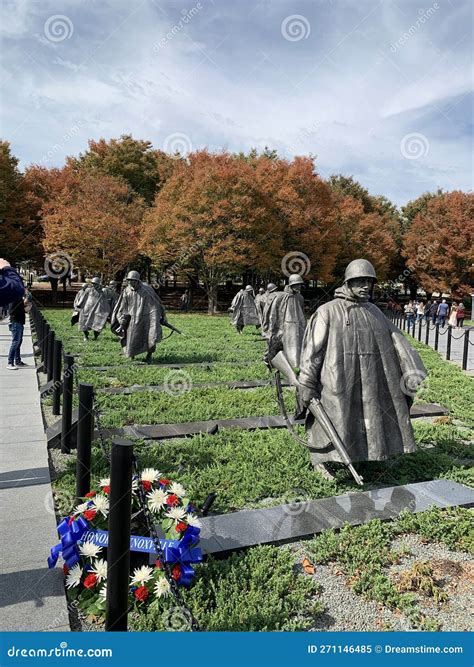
pixel 68 380
pixel 49 370
pixel 427 332
pixel 85 430
pixel 436 336
pixel 404 324
pixel 465 349
pixel 448 344
pixel 45 346
pixel 419 330
pixel 118 551
pixel 57 359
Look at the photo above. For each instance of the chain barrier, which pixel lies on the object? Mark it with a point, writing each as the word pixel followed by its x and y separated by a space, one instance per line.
pixel 150 526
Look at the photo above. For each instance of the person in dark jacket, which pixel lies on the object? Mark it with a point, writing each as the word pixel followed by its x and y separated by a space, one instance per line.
pixel 16 326
pixel 11 284
pixel 434 311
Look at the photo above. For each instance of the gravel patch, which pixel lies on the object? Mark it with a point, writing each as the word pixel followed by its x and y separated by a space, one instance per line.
pixel 453 572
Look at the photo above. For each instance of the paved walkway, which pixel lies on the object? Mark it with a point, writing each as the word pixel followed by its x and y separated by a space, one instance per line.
pixel 31 596
pixel 457 343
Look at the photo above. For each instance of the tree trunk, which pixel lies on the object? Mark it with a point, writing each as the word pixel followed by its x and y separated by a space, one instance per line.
pixel 212 300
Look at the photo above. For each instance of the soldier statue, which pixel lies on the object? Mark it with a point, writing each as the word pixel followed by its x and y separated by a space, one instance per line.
pixel 112 293
pixel 260 304
pixel 243 310
pixel 285 322
pixel 270 294
pixel 362 369
pixel 93 308
pixel 138 318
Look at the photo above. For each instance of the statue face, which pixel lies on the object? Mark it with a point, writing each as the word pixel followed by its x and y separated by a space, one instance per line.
pixel 133 284
pixel 296 289
pixel 360 288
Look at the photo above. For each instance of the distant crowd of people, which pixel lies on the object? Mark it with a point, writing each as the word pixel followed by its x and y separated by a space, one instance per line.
pixel 437 312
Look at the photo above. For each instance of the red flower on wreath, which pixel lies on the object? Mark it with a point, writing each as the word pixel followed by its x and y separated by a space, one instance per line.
pixel 172 500
pixel 164 481
pixel 70 520
pixel 106 489
pixel 90 581
pixel 180 526
pixel 158 564
pixel 141 593
pixel 146 484
pixel 176 572
pixel 91 494
pixel 65 569
pixel 90 514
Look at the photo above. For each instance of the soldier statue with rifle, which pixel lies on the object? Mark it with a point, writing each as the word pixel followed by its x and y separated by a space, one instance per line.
pixel 138 318
pixel 358 375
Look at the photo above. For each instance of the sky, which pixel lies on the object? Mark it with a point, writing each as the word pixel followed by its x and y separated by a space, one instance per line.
pixel 377 89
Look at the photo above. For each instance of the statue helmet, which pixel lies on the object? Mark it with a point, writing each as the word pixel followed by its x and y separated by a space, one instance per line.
pixel 295 279
pixel 133 275
pixel 113 283
pixel 271 287
pixel 261 290
pixel 84 285
pixel 95 280
pixel 249 288
pixel 359 268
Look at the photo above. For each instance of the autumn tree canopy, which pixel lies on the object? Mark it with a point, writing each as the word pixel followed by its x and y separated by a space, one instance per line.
pixel 438 244
pixel 96 220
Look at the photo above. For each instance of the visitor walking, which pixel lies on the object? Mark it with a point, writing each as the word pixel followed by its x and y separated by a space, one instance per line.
pixel 410 314
pixel 16 326
pixel 453 315
pixel 420 311
pixel 427 310
pixel 434 311
pixel 460 315
pixel 11 284
pixel 442 313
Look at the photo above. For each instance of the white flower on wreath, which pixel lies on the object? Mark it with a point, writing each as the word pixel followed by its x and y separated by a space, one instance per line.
pixel 157 499
pixel 162 587
pixel 73 577
pixel 82 507
pixel 100 503
pixel 103 593
pixel 150 475
pixel 99 568
pixel 141 575
pixel 89 549
pixel 176 513
pixel 105 481
pixel 192 520
pixel 178 489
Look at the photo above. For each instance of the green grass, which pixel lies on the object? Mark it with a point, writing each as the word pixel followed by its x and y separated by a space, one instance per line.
pixel 255 590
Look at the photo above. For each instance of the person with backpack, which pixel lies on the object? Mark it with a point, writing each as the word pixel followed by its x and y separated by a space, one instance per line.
pixel 460 315
pixel 442 313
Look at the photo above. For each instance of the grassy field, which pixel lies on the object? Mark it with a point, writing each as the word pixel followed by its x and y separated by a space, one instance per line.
pixel 262 468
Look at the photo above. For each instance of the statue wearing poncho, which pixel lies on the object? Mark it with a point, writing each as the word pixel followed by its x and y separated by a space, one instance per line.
pixel 93 307
pixel 140 312
pixel 285 322
pixel 361 367
pixel 243 309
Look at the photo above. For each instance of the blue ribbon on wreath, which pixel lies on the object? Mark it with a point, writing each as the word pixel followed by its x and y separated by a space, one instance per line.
pixel 184 553
pixel 70 534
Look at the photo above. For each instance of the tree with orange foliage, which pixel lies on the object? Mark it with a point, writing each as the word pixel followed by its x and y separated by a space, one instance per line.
pixel 438 245
pixel 18 230
pixel 96 220
pixel 212 218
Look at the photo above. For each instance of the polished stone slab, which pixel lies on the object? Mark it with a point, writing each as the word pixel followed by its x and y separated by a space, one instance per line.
pixel 224 533
pixel 188 429
pixel 237 384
